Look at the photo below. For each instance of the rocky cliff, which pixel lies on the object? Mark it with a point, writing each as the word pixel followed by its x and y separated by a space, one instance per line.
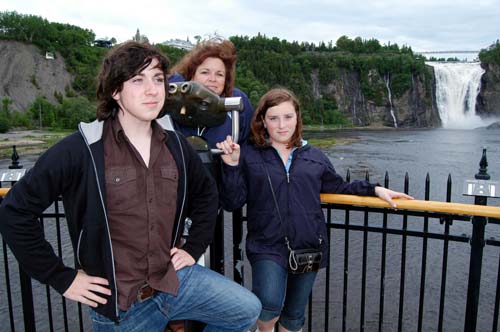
pixel 26 73
pixel 488 100
pixel 413 108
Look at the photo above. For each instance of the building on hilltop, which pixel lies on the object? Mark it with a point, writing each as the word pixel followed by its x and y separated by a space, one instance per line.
pixel 138 37
pixel 179 43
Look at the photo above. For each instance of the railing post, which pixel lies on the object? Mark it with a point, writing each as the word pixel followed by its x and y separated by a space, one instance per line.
pixel 27 300
pixel 24 279
pixel 217 246
pixel 237 243
pixel 476 256
pixel 15 159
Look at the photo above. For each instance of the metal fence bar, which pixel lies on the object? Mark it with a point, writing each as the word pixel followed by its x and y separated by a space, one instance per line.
pixel 423 269
pixel 403 262
pixel 476 257
pixel 27 301
pixel 327 281
pixel 7 283
pixel 497 300
pixel 60 253
pixel 217 245
pixel 309 313
pixel 363 273
pixel 3 192
pixel 346 272
pixel 363 268
pixel 47 289
pixel 237 243
pixel 49 308
pixel 444 266
pixel 382 263
pixel 395 231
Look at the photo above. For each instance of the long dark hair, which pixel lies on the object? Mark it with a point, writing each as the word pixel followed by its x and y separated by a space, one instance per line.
pixel 122 63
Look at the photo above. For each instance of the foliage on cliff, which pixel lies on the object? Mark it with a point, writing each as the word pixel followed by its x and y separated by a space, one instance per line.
pixel 72 42
pixel 491 54
pixel 262 63
pixel 265 62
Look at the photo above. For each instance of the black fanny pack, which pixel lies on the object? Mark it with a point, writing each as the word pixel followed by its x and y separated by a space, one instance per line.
pixel 304 260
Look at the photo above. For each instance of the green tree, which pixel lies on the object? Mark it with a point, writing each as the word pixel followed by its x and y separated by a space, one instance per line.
pixel 72 111
pixel 173 54
pixel 21 120
pixel 6 102
pixel 42 113
pixel 491 54
pixel 5 115
pixel 4 123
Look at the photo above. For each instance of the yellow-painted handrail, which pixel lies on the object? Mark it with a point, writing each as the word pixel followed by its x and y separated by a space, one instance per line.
pixel 415 205
pixel 402 204
pixel 4 191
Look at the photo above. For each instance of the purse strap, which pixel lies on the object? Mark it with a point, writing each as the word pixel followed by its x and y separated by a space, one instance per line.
pixel 276 202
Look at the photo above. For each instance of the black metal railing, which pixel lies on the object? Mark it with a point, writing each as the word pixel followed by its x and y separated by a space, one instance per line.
pixel 390 270
pixel 402 230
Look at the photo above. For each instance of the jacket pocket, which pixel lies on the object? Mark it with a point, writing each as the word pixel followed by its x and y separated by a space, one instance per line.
pixel 79 250
pixel 91 250
pixel 307 231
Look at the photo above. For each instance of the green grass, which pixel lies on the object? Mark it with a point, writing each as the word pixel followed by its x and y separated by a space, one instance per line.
pixel 40 143
pixel 322 127
pixel 322 143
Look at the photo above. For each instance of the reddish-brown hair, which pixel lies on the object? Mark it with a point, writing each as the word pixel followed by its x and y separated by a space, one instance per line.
pixel 273 98
pixel 213 48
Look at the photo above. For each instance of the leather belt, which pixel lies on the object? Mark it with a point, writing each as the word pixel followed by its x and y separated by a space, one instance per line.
pixel 145 292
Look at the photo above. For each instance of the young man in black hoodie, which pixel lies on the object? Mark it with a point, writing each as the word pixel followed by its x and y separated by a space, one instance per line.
pixel 128 182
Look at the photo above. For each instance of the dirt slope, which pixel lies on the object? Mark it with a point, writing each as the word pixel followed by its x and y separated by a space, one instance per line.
pixel 26 73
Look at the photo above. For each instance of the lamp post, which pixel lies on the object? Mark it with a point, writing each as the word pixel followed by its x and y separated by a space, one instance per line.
pixel 481 188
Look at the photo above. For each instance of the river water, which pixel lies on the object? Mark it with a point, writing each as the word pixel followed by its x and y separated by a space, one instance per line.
pixel 437 153
pixel 434 152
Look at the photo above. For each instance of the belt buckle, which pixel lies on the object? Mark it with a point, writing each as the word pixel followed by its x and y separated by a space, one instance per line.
pixel 145 293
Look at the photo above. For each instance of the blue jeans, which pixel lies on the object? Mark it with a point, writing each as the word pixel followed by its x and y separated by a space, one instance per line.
pixel 282 294
pixel 203 295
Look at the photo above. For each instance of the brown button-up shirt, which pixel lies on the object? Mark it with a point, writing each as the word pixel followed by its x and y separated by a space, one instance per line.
pixel 141 206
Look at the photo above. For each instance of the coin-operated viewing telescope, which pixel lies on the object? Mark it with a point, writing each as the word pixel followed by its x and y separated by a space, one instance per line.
pixel 190 104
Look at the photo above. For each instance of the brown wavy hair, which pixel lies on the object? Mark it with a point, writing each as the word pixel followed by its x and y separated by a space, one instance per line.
pixel 273 98
pixel 213 48
pixel 120 64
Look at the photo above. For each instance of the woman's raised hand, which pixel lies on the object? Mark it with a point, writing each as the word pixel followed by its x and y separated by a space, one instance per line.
pixel 388 194
pixel 231 150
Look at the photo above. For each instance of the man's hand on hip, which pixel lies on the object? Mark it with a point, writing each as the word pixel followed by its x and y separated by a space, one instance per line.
pixel 84 289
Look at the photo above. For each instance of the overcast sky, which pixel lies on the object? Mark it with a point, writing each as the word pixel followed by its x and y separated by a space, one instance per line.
pixel 425 25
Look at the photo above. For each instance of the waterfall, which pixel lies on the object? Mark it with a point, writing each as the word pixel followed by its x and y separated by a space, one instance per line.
pixel 387 84
pixel 457 87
